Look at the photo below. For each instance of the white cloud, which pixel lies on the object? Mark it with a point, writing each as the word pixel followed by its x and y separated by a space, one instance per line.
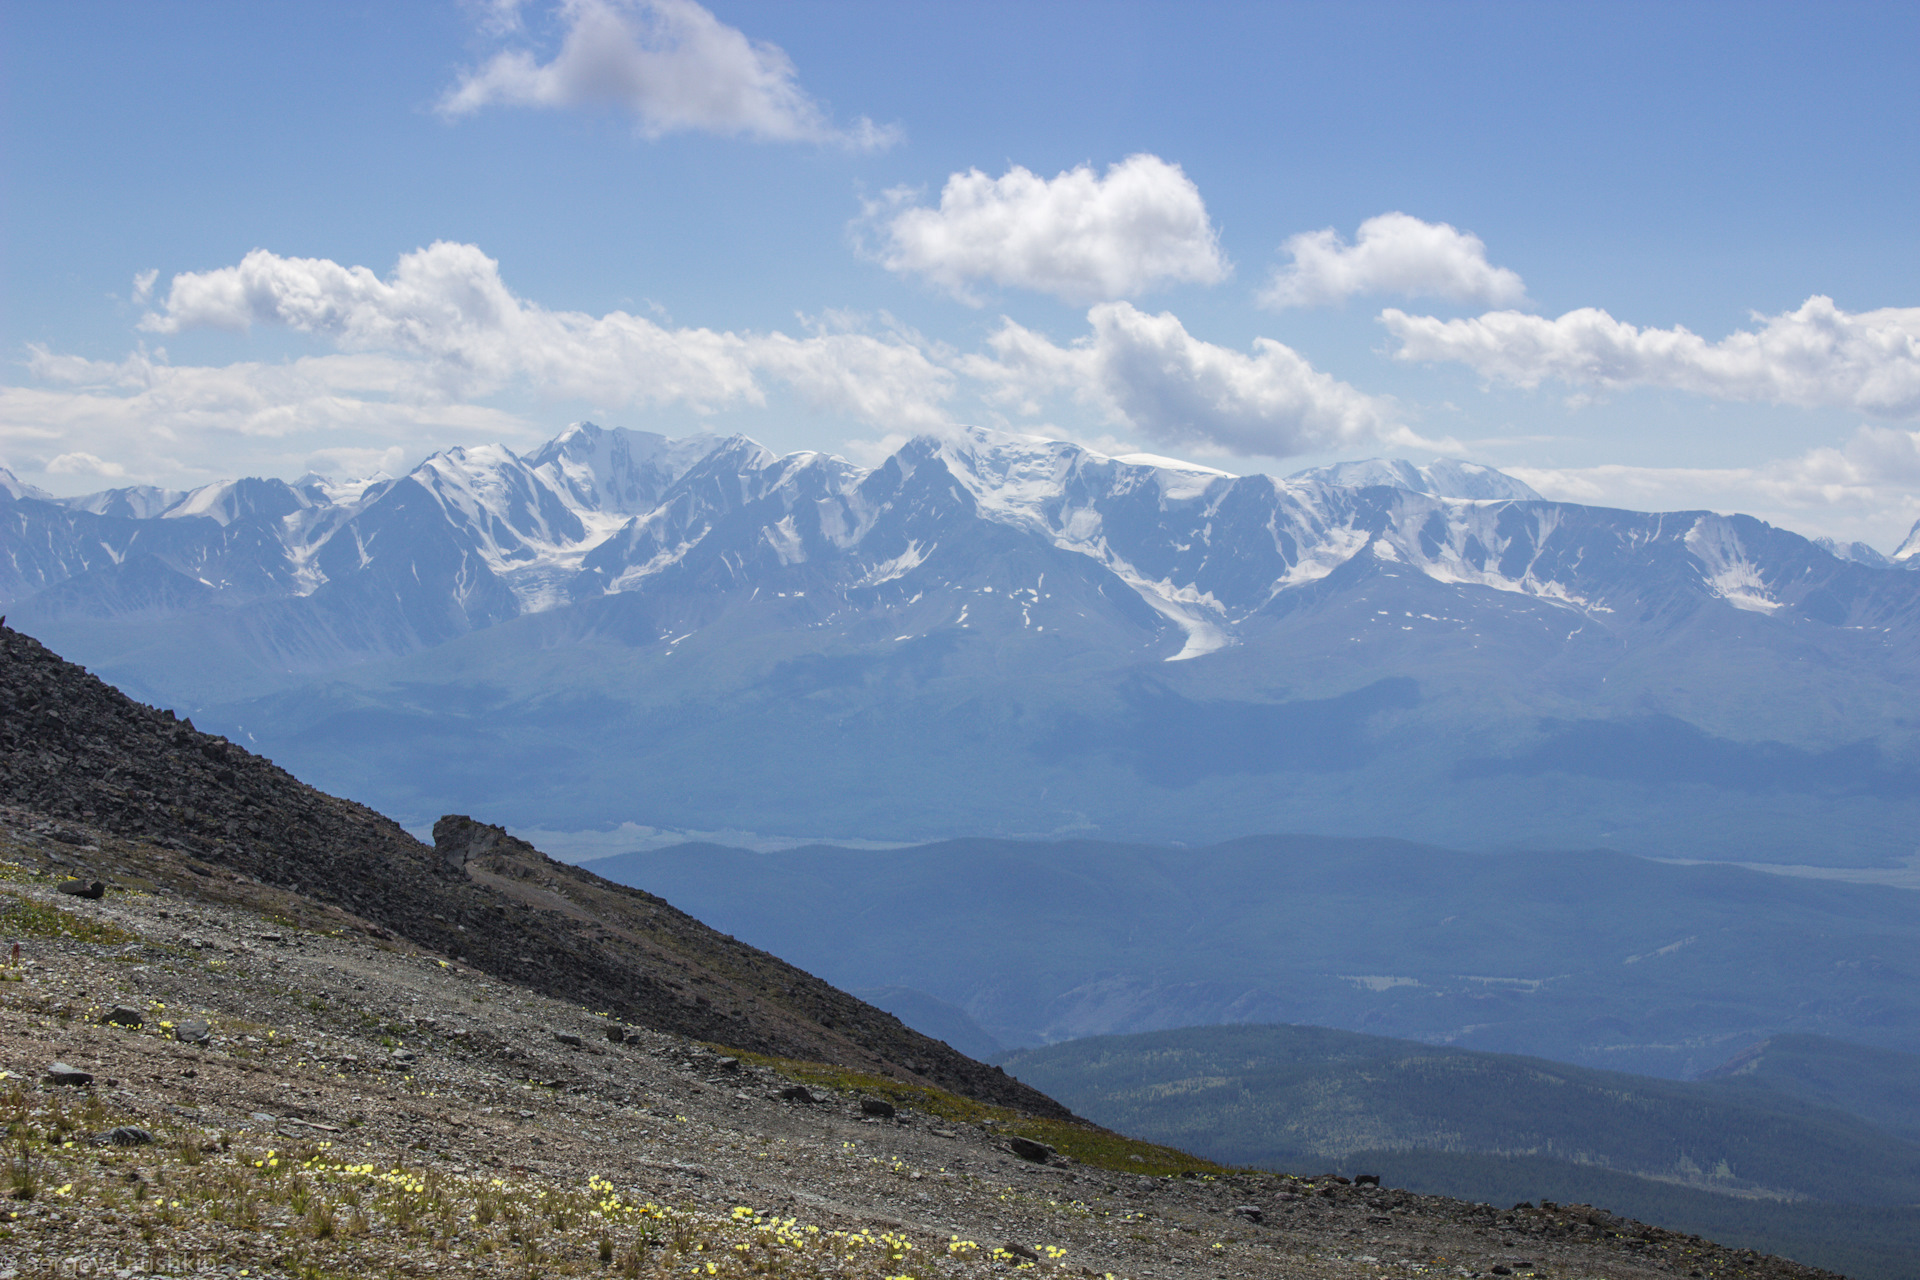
pixel 879 381
pixel 1818 356
pixel 496 17
pixel 1866 489
pixel 671 63
pixel 183 425
pixel 84 464
pixel 1078 236
pixel 447 305
pixel 447 308
pixel 415 356
pixel 1393 253
pixel 143 283
pixel 1146 373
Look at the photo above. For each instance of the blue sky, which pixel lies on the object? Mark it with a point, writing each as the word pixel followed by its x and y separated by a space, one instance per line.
pixel 1659 256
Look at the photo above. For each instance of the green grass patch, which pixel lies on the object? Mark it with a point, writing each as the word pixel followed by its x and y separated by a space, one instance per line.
pixel 24 918
pixel 1087 1143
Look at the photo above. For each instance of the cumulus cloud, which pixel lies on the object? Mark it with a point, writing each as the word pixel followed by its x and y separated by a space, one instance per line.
pixel 1393 253
pixel 1078 236
pixel 84 464
pixel 414 355
pixel 670 63
pixel 1146 373
pixel 186 424
pixel 467 335
pixel 1816 357
pixel 448 305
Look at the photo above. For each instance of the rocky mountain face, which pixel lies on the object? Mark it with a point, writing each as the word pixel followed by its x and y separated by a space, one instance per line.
pixel 1004 635
pixel 75 749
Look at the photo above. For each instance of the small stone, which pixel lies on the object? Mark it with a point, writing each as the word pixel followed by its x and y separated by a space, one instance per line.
pixel 616 1034
pixel 1020 1250
pixel 122 1015
pixel 1366 1180
pixel 877 1107
pixel 1028 1149
pixel 727 1064
pixel 61 1073
pixel 193 1031
pixel 84 889
pixel 1250 1212
pixel 569 1039
pixel 403 1057
pixel 797 1093
pixel 1502 1270
pixel 125 1135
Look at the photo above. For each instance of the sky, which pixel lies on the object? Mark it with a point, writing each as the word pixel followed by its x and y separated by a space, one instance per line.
pixel 1655 256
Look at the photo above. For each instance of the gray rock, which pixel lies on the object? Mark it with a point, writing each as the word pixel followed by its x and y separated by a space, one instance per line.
pixel 569 1039
pixel 616 1034
pixel 1250 1212
pixel 1019 1250
pixel 125 1135
pixel 877 1107
pixel 61 1073
pixel 1028 1149
pixel 193 1031
pixel 797 1093
pixel 84 889
pixel 123 1015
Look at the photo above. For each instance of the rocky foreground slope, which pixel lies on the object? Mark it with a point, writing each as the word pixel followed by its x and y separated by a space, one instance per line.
pixel 77 750
pixel 213 1076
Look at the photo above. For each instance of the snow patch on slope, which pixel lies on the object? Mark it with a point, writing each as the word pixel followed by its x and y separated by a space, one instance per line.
pixel 1728 572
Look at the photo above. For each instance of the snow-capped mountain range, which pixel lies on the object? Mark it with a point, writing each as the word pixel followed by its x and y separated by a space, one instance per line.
pixel 1084 613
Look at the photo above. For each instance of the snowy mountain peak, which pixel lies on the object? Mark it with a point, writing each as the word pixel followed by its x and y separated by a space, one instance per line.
pixel 615 470
pixel 325 491
pixel 1441 478
pixel 1908 552
pixel 1857 552
pixel 136 502
pixel 225 501
pixel 15 487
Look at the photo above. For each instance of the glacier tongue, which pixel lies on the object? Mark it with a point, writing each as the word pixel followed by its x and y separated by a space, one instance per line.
pixel 1729 572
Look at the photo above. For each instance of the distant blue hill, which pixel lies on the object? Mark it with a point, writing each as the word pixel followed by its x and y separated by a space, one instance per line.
pixel 1595 958
pixel 1731 1158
